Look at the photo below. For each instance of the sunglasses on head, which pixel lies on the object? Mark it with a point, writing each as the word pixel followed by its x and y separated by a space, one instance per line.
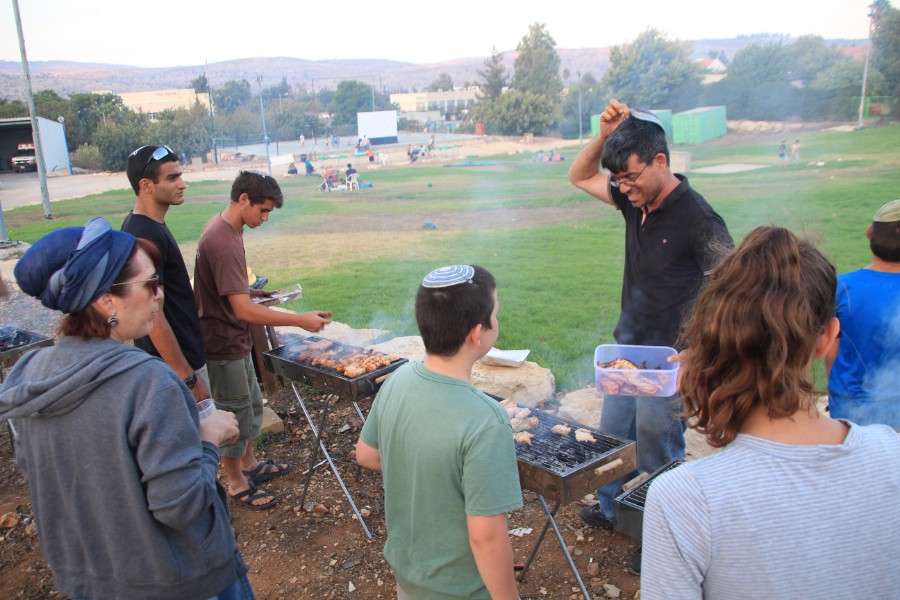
pixel 160 153
pixel 151 283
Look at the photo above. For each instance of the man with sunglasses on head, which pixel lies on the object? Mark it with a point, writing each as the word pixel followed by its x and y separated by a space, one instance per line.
pixel 226 313
pixel 673 237
pixel 155 175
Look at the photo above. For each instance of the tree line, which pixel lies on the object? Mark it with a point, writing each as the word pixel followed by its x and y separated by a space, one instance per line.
pixel 803 79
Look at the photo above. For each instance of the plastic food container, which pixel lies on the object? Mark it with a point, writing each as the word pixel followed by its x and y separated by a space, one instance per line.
pixel 654 377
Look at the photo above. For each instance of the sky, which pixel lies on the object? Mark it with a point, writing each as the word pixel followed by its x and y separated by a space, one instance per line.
pixel 193 32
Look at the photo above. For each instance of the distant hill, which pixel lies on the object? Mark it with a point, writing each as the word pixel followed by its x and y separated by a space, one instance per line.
pixel 68 78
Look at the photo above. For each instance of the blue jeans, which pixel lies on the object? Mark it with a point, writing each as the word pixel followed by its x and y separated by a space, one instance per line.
pixel 651 422
pixel 238 590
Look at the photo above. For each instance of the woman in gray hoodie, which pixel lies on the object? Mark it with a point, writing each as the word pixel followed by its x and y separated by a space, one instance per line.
pixel 121 470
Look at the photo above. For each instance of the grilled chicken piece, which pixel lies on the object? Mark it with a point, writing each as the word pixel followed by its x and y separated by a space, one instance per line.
pixel 523 437
pixel 561 429
pixel 617 363
pixel 583 435
pixel 524 424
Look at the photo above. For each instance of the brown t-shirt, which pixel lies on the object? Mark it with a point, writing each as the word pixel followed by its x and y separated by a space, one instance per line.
pixel 221 271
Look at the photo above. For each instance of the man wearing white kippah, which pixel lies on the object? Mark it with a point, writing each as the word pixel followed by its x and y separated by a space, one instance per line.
pixel 446 451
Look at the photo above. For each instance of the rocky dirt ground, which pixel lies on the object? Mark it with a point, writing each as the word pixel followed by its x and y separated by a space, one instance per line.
pixel 315 549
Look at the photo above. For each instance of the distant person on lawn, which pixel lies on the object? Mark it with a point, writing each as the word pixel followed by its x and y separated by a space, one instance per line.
pixel 226 312
pixel 446 451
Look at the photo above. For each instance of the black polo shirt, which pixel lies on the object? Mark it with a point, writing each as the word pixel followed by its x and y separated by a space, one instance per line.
pixel 665 259
pixel 179 306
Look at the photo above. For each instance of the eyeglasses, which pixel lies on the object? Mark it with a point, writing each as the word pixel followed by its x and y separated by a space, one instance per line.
pixel 160 153
pixel 151 283
pixel 629 181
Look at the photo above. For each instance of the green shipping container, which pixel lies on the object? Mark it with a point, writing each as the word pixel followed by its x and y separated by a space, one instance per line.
pixel 699 125
pixel 595 125
pixel 664 115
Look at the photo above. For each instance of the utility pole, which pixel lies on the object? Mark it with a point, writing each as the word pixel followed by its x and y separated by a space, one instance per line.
pixel 212 114
pixel 580 115
pixel 35 129
pixel 862 95
pixel 262 111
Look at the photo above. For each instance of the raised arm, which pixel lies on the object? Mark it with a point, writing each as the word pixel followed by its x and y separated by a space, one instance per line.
pixel 585 173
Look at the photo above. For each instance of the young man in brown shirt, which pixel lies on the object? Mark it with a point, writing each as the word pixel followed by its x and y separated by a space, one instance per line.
pixel 226 313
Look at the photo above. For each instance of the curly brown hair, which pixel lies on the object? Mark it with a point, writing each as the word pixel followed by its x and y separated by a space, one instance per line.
pixel 753 332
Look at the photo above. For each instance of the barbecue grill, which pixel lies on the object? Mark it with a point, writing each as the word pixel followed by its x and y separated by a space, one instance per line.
pixel 285 361
pixel 564 469
pixel 630 504
pixel 15 342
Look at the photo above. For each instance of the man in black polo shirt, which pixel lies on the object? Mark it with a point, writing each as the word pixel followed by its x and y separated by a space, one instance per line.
pixel 672 239
pixel 156 177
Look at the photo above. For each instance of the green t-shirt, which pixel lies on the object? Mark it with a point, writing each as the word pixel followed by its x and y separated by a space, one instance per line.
pixel 446 452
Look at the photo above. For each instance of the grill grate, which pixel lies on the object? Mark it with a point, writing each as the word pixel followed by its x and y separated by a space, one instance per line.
pixel 562 454
pixel 638 496
pixel 16 342
pixel 283 361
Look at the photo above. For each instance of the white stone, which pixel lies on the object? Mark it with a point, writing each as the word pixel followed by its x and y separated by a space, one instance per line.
pixel 611 590
pixel 272 423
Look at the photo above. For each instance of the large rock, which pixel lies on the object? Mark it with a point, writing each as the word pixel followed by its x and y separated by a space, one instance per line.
pixel 528 385
pixel 271 423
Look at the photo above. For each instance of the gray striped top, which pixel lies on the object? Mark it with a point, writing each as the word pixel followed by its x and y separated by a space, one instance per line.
pixel 762 519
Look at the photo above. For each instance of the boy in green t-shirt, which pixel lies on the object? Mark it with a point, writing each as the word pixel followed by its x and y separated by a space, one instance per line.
pixel 446 451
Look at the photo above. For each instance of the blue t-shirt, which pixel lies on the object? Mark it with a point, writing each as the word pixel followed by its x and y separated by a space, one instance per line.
pixel 864 383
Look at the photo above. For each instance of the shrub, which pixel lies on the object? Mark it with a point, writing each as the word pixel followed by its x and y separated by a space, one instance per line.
pixel 87 157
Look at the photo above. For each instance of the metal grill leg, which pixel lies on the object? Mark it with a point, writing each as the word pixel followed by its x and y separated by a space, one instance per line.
pixel 551 522
pixel 320 445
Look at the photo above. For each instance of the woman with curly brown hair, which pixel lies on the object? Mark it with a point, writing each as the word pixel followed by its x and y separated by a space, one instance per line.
pixel 792 488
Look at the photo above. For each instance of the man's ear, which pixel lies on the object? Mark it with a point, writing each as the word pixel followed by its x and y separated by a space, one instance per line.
pixel 475 335
pixel 869 232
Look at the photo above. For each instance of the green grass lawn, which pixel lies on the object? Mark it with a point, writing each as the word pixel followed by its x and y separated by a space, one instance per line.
pixel 559 280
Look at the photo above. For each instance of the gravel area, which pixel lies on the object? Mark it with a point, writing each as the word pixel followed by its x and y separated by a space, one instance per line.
pixel 22 311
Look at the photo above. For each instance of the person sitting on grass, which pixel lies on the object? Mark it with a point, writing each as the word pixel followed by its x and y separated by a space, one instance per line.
pixel 791 487
pixel 446 451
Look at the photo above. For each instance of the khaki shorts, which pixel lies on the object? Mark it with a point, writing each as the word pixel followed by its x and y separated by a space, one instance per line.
pixel 234 387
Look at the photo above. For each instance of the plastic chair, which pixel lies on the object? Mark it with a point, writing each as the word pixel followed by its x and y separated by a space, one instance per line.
pixel 352 182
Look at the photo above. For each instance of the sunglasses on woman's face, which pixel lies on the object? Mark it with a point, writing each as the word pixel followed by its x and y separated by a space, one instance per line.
pixel 151 283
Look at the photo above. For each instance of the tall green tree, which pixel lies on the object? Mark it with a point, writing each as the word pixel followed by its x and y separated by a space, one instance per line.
pixel 809 55
pixel 762 63
pixel 232 96
pixel 351 97
pixel 653 72
pixel 443 83
pixel 200 84
pixel 11 109
pixel 493 77
pixel 515 113
pixel 536 68
pixel 886 46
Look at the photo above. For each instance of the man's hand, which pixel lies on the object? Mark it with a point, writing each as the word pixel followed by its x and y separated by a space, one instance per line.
pixel 260 294
pixel 314 320
pixel 612 117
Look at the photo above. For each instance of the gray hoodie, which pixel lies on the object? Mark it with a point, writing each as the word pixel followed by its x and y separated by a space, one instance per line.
pixel 124 493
